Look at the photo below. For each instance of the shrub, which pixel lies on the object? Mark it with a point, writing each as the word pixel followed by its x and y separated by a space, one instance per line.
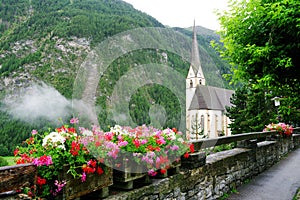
pixel 3 162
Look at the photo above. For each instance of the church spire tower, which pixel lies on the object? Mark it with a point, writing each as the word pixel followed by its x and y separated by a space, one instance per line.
pixel 195 76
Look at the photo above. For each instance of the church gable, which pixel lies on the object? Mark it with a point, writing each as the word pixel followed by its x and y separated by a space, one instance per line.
pixel 210 98
pixel 224 96
pixel 191 73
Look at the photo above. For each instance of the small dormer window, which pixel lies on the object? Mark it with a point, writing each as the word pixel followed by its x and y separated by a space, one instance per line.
pixel 191 83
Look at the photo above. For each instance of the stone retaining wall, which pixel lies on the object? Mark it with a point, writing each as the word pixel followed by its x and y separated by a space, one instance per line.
pixel 222 172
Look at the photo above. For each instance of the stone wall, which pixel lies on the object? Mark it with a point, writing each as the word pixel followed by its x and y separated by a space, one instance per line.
pixel 222 172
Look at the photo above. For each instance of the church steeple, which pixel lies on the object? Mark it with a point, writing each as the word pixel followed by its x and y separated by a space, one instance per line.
pixel 195 76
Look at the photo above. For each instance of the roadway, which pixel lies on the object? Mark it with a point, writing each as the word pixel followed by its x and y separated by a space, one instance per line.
pixel 280 182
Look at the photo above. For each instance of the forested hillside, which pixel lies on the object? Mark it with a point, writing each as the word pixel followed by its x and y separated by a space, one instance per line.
pixel 45 42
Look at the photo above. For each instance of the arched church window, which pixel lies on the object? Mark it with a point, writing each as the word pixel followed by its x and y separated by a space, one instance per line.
pixel 200 82
pixel 191 83
pixel 202 122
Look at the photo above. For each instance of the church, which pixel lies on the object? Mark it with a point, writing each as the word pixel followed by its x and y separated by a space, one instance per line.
pixel 205 105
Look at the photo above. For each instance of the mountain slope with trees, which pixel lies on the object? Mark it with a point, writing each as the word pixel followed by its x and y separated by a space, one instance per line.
pixel 47 40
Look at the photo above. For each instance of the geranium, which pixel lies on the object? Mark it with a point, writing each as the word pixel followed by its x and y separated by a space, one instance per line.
pixel 55 151
pixel 281 128
pixel 150 148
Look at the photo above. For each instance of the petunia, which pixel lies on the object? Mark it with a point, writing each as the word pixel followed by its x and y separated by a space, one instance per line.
pixel 83 177
pixel 74 121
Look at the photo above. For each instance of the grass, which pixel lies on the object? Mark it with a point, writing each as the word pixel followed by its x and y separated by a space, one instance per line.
pixel 10 160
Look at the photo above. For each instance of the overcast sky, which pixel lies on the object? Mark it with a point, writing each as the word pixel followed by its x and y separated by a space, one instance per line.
pixel 181 13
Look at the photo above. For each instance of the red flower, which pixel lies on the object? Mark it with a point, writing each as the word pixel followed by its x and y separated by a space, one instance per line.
pixel 137 143
pixel 30 194
pixel 97 143
pixel 92 163
pixel 24 159
pixel 30 140
pixel 16 152
pixel 192 148
pixel 41 181
pixel 88 169
pixel 100 170
pixel 62 129
pixel 163 171
pixel 174 130
pixel 151 148
pixel 186 155
pixel 71 130
pixel 75 148
pixel 160 141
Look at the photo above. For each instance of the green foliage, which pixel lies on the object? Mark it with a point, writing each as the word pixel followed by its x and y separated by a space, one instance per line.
pixel 224 147
pixel 3 162
pixel 12 132
pixel 262 43
pixel 47 22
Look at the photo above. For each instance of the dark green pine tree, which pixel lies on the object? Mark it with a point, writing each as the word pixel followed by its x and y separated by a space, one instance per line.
pixel 237 112
pixel 251 110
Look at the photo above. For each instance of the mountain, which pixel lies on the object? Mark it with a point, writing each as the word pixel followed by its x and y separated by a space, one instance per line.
pixel 45 43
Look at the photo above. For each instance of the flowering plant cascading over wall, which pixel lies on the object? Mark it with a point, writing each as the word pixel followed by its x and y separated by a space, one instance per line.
pixel 149 148
pixel 281 128
pixel 53 151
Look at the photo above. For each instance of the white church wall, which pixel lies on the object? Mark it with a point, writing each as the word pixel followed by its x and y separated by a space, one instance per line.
pixel 212 124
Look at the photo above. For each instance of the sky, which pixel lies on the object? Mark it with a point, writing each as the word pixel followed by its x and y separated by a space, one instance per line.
pixel 182 13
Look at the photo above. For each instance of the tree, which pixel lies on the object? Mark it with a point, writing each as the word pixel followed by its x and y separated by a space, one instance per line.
pixel 197 130
pixel 261 41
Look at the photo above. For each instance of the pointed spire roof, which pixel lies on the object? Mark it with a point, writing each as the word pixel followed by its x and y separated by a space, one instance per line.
pixel 195 59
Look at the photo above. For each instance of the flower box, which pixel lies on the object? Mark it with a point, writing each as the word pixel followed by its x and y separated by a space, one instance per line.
pixel 284 130
pixel 75 188
pixel 17 176
pixel 127 173
pixel 170 170
pixel 64 165
pixel 135 152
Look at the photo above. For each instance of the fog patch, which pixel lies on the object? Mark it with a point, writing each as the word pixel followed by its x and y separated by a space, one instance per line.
pixel 36 102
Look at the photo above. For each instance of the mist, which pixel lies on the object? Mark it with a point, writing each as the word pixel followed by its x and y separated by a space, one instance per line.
pixel 39 101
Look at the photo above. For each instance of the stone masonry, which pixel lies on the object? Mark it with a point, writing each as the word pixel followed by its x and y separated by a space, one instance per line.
pixel 223 172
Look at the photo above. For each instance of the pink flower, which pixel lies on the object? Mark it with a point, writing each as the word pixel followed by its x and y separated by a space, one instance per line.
pixel 144 141
pixel 109 136
pixel 59 185
pixel 174 148
pixel 74 120
pixel 151 172
pixel 157 160
pixel 113 153
pixel 160 141
pixel 34 132
pixel 83 177
pixel 122 143
pixel 43 160
pixel 137 143
pixel 120 138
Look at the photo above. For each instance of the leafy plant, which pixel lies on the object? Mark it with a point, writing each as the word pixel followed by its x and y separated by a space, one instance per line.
pixel 3 162
pixel 281 128
pixel 54 151
pixel 151 148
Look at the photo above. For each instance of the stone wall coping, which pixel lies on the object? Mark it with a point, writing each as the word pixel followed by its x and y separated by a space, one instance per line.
pixel 212 158
pixel 265 143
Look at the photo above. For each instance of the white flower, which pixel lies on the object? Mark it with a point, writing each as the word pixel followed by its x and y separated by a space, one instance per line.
pixel 118 130
pixel 62 146
pixel 54 139
pixel 87 133
pixel 180 140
